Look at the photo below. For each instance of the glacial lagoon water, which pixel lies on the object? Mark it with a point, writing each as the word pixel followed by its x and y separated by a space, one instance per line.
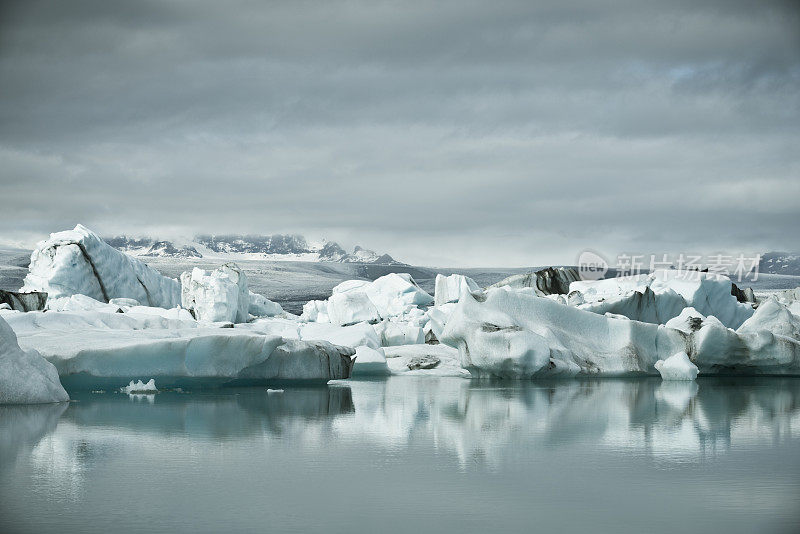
pixel 411 455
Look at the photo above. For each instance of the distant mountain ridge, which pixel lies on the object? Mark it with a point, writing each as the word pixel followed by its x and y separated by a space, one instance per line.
pixel 780 263
pixel 275 246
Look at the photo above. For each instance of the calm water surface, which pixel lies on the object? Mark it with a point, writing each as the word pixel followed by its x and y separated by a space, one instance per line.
pixel 411 455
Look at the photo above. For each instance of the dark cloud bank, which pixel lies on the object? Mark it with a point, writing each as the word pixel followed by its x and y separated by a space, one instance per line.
pixel 483 133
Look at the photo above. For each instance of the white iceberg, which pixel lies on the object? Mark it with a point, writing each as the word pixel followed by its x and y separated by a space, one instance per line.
pixel 449 288
pixel 96 349
pixel 26 377
pixel 218 295
pixel 514 334
pixel 369 362
pixel 662 295
pixel 140 387
pixel 77 262
pixel 677 367
pixel 351 307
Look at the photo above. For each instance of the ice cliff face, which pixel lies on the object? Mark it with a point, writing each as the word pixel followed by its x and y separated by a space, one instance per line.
pixel 26 377
pixel 79 262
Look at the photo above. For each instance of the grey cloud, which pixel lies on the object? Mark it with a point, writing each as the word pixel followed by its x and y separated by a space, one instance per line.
pixel 452 131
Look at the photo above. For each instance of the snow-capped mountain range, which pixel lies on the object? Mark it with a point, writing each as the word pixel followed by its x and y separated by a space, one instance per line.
pixel 780 263
pixel 278 247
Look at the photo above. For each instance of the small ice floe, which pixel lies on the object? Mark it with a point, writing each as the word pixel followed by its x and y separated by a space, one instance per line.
pixel 274 391
pixel 140 387
pixel 677 367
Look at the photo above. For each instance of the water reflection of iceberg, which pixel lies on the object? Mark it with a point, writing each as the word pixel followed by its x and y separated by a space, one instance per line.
pixel 480 422
pixel 22 427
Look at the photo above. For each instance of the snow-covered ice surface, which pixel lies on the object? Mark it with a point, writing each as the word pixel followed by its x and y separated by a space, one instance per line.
pixel 25 377
pixel 79 262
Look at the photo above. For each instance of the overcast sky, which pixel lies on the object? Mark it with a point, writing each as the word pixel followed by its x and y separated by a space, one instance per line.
pixel 445 133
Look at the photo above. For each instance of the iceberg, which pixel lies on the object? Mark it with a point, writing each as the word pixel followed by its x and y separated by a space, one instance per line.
pixel 79 262
pixel 94 349
pixel 261 306
pixel 31 301
pixel 218 295
pixel 351 307
pixel 449 288
pixel 549 281
pixel 511 333
pixel 140 387
pixel 26 377
pixel 677 367
pixel 662 295
pixel 354 301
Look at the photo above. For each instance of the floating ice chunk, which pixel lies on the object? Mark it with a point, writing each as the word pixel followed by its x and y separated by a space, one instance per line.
pixel 351 307
pixel 218 295
pixel 261 306
pixel 140 387
pixel 370 362
pixel 78 262
pixel 26 377
pixel 449 288
pixel 677 367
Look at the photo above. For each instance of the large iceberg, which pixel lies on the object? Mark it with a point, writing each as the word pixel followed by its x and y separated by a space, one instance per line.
pixel 26 377
pixel 516 334
pixel 79 262
pixel 662 295
pixel 218 295
pixel 93 349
